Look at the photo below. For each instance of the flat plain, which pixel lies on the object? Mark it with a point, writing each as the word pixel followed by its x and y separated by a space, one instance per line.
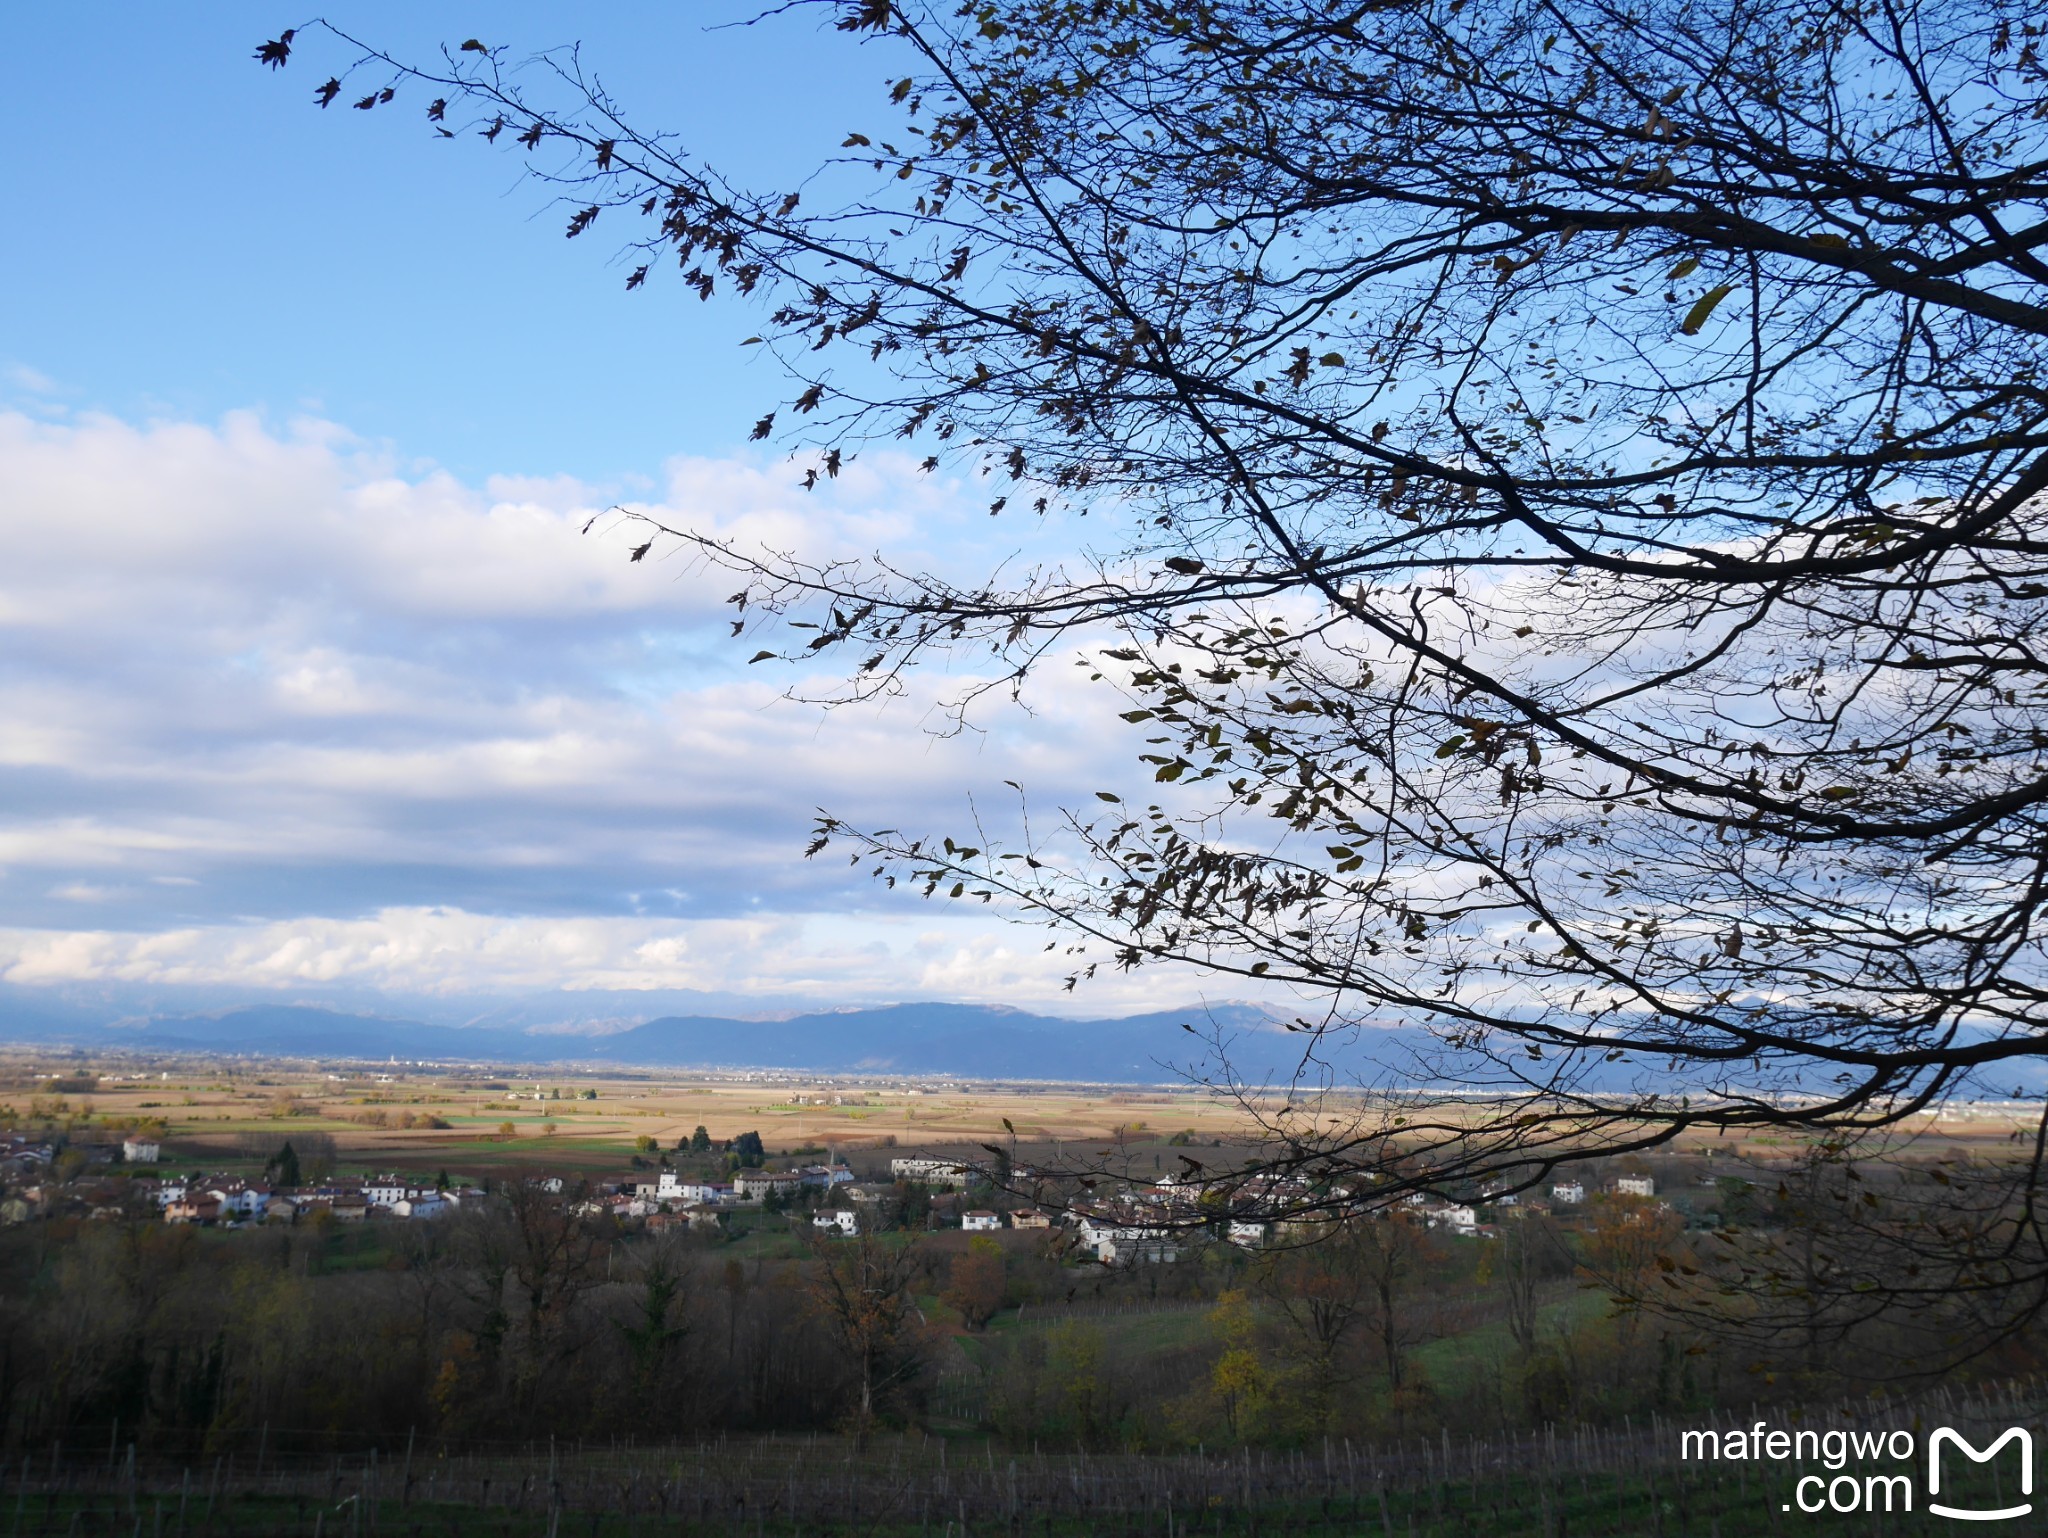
pixel 226 1112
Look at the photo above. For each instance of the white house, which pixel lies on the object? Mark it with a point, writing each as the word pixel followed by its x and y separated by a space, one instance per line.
pixel 752 1185
pixel 248 1201
pixel 1246 1234
pixel 1635 1185
pixel 933 1172
pixel 981 1222
pixel 838 1220
pixel 673 1187
pixel 1126 1244
pixel 406 1201
pixel 826 1175
pixel 238 1199
pixel 1458 1218
pixel 1568 1193
pixel 241 1199
pixel 140 1150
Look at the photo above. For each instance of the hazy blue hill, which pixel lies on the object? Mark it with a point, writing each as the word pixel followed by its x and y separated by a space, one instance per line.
pixel 42 1014
pixel 974 1041
pixel 596 1011
pixel 960 1040
pixel 297 1030
pixel 971 1040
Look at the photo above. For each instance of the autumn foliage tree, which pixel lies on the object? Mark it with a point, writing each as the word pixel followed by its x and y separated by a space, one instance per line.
pixel 975 1282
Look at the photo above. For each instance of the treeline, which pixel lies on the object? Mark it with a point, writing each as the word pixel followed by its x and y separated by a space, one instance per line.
pixel 527 1319
pixel 536 1316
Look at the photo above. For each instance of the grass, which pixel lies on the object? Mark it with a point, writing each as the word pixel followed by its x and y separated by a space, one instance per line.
pixel 1450 1361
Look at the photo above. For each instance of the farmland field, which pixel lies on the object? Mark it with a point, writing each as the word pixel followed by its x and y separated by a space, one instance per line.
pixel 218 1111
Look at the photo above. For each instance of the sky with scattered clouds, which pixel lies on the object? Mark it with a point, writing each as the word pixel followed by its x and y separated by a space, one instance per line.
pixel 311 674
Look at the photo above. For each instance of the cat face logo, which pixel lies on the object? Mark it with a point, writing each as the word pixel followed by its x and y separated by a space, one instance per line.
pixel 1944 1435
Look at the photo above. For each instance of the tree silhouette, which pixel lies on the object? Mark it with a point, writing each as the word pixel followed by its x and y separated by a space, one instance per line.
pixel 1568 491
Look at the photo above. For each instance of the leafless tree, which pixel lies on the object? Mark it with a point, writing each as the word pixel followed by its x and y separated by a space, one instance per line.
pixel 863 1289
pixel 659 1324
pixel 1530 1253
pixel 1375 1265
pixel 1324 1290
pixel 1844 1265
pixel 527 1261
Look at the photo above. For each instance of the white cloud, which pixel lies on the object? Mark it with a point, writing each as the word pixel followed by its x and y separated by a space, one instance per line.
pixel 283 711
pixel 81 892
pixel 32 380
pixel 835 959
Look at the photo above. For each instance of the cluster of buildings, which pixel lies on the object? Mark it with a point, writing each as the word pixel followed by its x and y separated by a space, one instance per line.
pixel 230 1199
pixel 981 1220
pixel 1463 1218
pixel 1122 1235
pixel 39 1178
pixel 1154 1224
pixel 933 1172
pixel 24 1166
pixel 1134 1224
pixel 701 1201
pixel 19 1153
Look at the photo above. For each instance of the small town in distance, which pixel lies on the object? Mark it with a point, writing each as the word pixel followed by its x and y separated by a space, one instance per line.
pixel 997 1292
pixel 1140 1222
pixel 240 1144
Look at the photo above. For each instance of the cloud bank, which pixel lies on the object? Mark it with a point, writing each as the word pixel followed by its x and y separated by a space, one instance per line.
pixel 281 711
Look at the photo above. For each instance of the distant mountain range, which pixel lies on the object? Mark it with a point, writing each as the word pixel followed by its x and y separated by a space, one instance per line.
pixel 963 1040
pixel 646 1030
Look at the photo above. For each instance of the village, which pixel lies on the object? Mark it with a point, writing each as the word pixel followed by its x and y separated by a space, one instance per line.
pixel 1135 1223
pixel 1152 1286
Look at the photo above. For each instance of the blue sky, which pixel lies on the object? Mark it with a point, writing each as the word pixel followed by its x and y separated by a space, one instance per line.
pixel 310 676
pixel 200 239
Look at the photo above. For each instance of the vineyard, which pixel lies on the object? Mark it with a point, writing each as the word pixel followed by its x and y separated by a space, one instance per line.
pixel 1551 1483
